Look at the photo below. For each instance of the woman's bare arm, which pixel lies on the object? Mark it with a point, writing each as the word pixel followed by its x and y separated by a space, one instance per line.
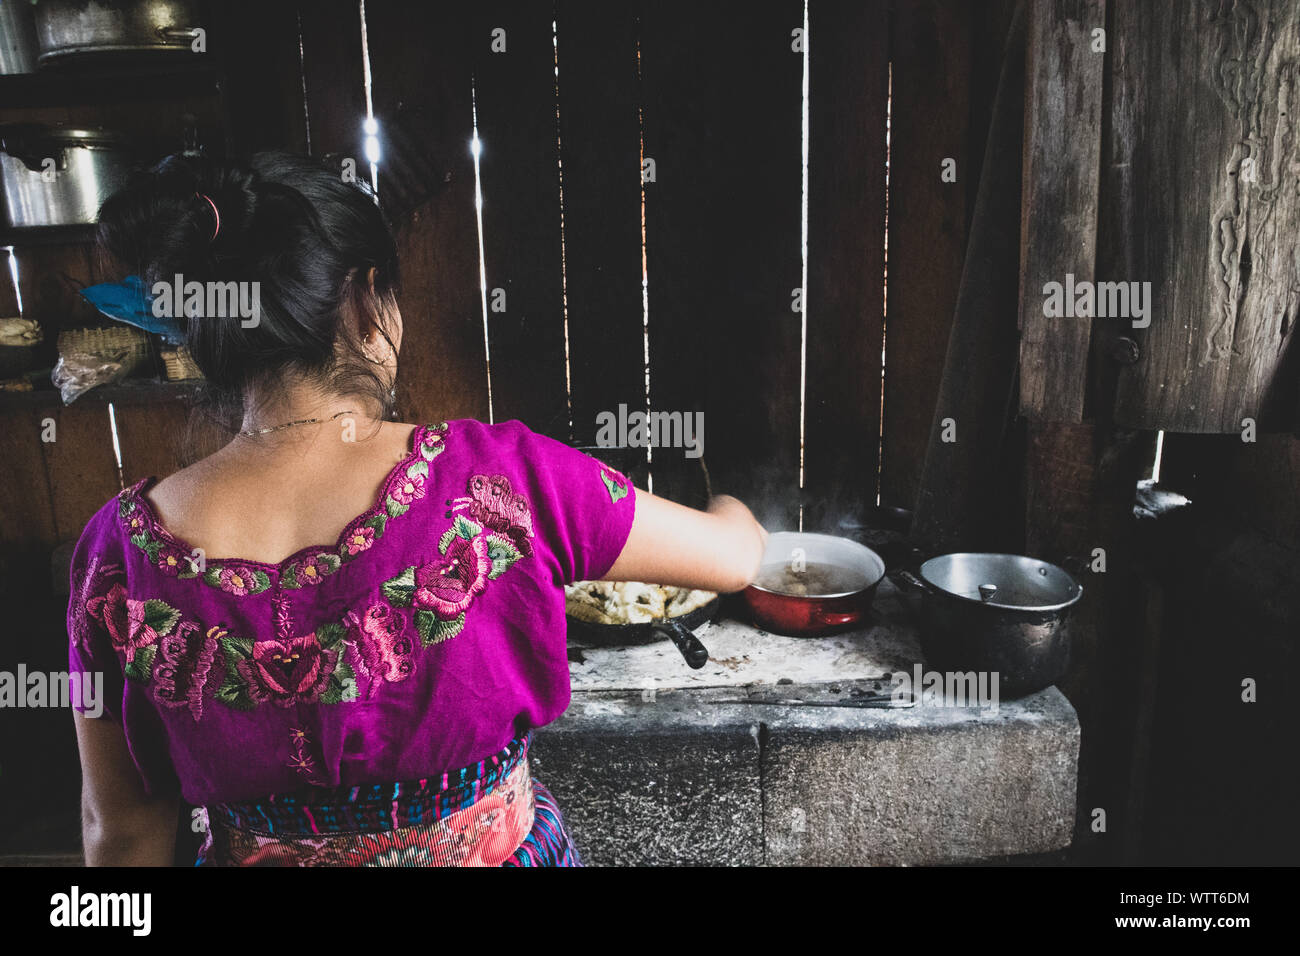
pixel 716 550
pixel 120 824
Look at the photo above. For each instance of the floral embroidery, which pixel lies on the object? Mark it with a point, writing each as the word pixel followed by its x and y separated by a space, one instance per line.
pixel 133 626
pixel 358 541
pixel 492 503
pixel 306 669
pixel 384 652
pixel 615 483
pixel 237 579
pixel 405 486
pixel 90 579
pixel 442 590
pixel 300 757
pixel 184 664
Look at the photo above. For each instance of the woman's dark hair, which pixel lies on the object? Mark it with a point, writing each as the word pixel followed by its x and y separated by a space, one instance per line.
pixel 298 228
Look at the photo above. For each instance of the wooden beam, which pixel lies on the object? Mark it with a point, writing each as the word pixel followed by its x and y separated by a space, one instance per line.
pixel 1063 95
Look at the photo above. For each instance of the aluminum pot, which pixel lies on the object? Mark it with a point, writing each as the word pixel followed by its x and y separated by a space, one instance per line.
pixel 1002 613
pixel 55 176
pixel 17 37
pixel 71 28
pixel 790 595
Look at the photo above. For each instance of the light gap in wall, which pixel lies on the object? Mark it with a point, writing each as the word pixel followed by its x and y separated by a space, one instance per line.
pixel 117 445
pixel 645 271
pixel 564 265
pixel 884 313
pixel 1160 452
pixel 371 126
pixel 302 75
pixel 476 149
pixel 13 277
pixel 803 257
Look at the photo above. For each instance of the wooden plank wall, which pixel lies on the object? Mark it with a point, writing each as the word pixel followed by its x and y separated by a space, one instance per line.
pixel 1211 209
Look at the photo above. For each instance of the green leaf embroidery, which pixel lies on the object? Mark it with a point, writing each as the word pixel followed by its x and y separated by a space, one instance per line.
pixel 342 686
pixel 434 630
pixel 465 528
pixel 420 468
pixel 141 667
pixel 616 489
pixel 330 634
pixel 161 616
pixel 141 541
pixel 503 553
pixel 289 577
pixel 233 692
pixel 395 508
pixel 212 577
pixel 400 589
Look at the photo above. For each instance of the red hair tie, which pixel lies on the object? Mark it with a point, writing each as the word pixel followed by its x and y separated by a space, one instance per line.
pixel 215 215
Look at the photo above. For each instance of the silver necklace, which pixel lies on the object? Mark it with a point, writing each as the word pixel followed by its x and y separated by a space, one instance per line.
pixel 250 432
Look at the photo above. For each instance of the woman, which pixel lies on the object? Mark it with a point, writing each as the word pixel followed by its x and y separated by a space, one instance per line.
pixel 370 700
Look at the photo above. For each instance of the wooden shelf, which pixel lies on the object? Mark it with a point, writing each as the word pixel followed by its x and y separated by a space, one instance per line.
pixel 133 391
pixel 48 235
pixel 112 82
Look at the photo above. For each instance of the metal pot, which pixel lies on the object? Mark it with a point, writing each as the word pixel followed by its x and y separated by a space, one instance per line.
pixel 797 561
pixel 1002 613
pixel 17 37
pixel 52 176
pixel 69 28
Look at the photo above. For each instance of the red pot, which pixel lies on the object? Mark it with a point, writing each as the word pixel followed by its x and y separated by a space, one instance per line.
pixel 839 576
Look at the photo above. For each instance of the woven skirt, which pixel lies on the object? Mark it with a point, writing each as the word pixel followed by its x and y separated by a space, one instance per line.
pixel 493 813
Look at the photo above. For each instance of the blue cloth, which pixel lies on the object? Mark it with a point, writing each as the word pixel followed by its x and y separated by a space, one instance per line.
pixel 128 301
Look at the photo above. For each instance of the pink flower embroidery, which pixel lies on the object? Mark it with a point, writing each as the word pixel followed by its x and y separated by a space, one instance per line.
pixel 447 585
pixel 184 665
pixel 494 504
pixel 384 650
pixel 312 571
pixel 409 489
pixel 287 672
pixel 236 579
pixel 91 580
pixel 123 618
pixel 172 562
pixel 359 540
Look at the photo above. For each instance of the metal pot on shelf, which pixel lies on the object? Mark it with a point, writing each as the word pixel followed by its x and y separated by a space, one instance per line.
pixel 57 176
pixel 18 50
pixel 1003 613
pixel 67 29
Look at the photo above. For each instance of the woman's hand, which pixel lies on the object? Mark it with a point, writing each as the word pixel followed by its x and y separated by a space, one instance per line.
pixel 715 550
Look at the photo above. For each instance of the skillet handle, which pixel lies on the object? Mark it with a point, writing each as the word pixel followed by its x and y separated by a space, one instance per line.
pixel 696 654
pixel 907 581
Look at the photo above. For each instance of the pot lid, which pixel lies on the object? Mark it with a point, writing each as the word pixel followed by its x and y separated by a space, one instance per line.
pixel 1009 581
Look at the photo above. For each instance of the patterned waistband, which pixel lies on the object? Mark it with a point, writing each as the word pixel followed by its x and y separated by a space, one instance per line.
pixel 374 808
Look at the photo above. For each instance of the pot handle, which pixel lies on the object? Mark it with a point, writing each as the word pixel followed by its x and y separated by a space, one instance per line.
pixel 907 581
pixel 696 654
pixel 824 618
pixel 178 33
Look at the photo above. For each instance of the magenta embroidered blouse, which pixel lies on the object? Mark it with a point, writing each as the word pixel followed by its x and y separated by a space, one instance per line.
pixel 424 640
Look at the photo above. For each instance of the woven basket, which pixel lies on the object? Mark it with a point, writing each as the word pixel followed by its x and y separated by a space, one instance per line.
pixel 179 365
pixel 119 343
